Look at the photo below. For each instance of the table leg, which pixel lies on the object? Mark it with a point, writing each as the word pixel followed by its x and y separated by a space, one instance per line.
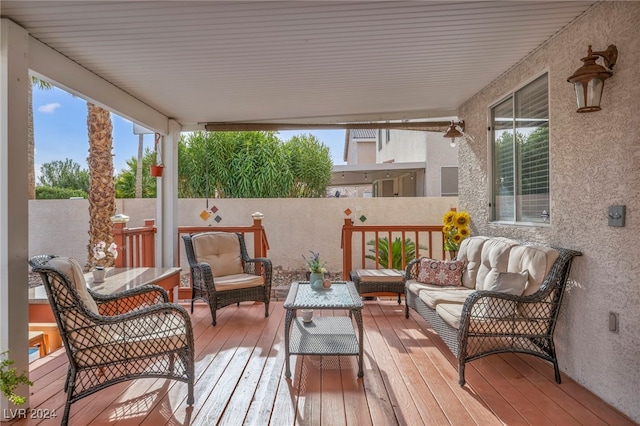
pixel 357 313
pixel 291 313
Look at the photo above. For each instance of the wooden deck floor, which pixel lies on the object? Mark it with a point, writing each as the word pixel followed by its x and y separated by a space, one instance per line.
pixel 410 378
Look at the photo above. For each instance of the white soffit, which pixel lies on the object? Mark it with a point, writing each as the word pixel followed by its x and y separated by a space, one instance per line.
pixel 299 61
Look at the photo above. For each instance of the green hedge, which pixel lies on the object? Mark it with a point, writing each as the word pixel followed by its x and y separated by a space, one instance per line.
pixel 53 193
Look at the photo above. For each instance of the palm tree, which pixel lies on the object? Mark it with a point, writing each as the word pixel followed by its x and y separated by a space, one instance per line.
pixel 396 252
pixel 102 193
pixel 31 176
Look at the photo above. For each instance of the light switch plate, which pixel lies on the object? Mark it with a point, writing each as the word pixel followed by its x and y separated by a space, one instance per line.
pixel 616 215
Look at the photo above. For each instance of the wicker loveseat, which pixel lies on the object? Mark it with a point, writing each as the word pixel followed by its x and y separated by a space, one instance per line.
pixel 508 299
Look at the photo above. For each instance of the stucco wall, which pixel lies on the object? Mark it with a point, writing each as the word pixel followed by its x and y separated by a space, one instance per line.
pixel 595 163
pixel 293 226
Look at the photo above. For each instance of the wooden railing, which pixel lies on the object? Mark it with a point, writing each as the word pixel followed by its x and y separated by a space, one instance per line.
pixel 136 246
pixel 365 240
pixel 260 242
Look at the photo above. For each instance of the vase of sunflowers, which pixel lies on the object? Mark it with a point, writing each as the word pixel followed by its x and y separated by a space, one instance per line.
pixel 455 230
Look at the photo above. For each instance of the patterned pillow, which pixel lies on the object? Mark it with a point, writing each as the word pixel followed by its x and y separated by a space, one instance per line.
pixel 441 272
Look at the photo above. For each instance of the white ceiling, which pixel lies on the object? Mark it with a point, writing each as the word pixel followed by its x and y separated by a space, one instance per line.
pixel 299 61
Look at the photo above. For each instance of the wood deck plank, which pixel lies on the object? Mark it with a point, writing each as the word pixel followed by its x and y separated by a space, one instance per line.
pixel 378 401
pixel 428 407
pixel 588 400
pixel 404 407
pixel 260 409
pixel 246 388
pixel 427 360
pixel 481 389
pixel 410 374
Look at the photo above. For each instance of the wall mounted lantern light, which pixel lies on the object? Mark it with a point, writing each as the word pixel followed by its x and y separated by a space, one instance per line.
pixel 453 132
pixel 588 80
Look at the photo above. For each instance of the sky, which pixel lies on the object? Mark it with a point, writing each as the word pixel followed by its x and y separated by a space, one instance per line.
pixel 60 126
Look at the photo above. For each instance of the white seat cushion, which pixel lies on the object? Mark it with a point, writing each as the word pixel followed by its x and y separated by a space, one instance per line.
pixel 380 275
pixel 237 281
pixel 433 296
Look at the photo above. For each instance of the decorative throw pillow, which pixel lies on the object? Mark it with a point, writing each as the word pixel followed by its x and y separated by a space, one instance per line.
pixel 510 283
pixel 441 272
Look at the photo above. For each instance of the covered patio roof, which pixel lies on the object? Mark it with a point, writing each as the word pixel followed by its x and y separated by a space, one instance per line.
pixel 174 66
pixel 267 62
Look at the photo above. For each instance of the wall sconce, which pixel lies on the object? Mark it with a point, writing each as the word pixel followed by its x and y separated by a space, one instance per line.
pixel 365 176
pixel 453 132
pixel 588 80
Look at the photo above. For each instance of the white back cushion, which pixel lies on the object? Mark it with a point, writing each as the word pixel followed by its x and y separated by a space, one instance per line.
pixel 494 259
pixel 221 250
pixel 538 260
pixel 72 269
pixel 471 252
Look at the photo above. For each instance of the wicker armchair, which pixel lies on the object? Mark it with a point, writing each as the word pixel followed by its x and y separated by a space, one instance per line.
pixel 111 339
pixel 222 272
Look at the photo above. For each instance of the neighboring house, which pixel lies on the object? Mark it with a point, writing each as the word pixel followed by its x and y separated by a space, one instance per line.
pixel 397 163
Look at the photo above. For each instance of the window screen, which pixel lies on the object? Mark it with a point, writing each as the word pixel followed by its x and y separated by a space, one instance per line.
pixel 520 136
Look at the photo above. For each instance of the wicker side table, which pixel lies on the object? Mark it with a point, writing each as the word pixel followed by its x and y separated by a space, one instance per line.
pixel 334 335
pixel 379 281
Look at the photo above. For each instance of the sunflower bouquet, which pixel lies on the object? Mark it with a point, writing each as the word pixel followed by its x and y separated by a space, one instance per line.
pixel 455 229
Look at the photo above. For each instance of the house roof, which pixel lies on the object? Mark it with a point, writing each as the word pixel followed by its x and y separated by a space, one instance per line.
pixel 364 134
pixel 275 61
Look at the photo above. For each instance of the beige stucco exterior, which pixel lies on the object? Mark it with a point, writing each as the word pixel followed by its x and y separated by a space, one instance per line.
pixel 594 160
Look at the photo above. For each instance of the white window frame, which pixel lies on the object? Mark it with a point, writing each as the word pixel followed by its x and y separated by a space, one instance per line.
pixel 490 159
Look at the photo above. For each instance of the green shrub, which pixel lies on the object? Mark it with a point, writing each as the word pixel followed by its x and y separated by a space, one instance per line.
pixel 396 252
pixel 53 193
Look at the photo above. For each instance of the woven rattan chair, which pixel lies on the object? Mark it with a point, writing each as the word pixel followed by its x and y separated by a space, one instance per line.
pixel 110 339
pixel 222 272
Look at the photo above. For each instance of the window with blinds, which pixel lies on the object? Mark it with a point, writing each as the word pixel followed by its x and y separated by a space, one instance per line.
pixel 520 151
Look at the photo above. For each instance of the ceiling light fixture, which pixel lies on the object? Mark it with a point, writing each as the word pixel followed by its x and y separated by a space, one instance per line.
pixel 453 132
pixel 588 80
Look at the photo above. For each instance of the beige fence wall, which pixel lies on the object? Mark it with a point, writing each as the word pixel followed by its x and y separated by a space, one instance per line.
pixel 293 226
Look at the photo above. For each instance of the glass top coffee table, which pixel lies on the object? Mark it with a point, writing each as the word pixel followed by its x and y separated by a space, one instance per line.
pixel 323 335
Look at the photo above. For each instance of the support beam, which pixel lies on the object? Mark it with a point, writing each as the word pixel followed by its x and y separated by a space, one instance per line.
pixel 14 204
pixel 425 126
pixel 167 200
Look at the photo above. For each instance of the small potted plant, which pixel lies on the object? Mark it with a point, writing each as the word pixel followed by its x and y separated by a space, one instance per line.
pixel 156 169
pixel 10 380
pixel 99 253
pixel 316 269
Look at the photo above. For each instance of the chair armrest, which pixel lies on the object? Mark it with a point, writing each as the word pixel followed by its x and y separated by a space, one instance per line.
pixel 202 277
pixel 411 272
pixel 250 266
pixel 502 311
pixel 127 300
